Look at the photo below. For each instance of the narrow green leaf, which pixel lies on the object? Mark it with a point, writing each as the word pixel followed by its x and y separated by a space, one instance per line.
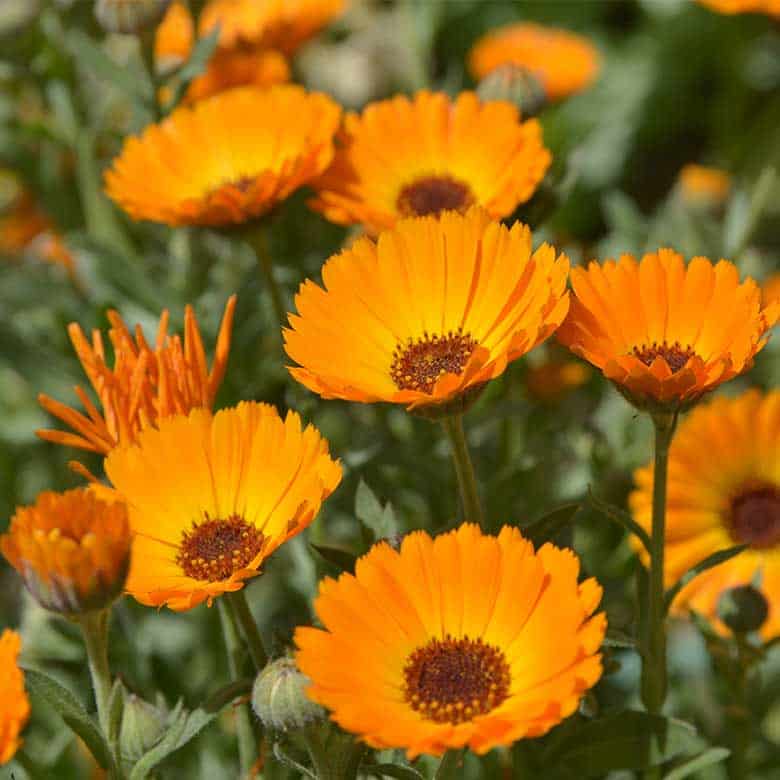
pixel 194 67
pixel 63 702
pixel 619 639
pixel 167 745
pixel 369 510
pixel 744 213
pixel 116 704
pixel 337 556
pixel 721 556
pixel 619 516
pixel 392 770
pixel 546 528
pixel 227 694
pixel 690 765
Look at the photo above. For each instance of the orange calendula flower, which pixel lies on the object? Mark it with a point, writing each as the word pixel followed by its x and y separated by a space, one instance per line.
pixel 144 385
pixel 463 640
pixel 71 549
pixel 662 332
pixel 723 489
pixel 771 7
pixel 427 314
pixel 14 704
pixel 277 24
pixel 564 62
pixel 175 37
pixel 263 144
pixel 212 496
pixel 454 154
pixel 700 185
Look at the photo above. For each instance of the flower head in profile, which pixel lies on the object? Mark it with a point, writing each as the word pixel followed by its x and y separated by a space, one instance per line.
pixel 428 314
pixel 262 145
pixel 665 333
pixel 72 549
pixel 703 186
pixel 144 385
pixel 14 704
pixel 723 490
pixel 212 496
pixel 277 24
pixel 455 154
pixel 564 62
pixel 771 7
pixel 462 640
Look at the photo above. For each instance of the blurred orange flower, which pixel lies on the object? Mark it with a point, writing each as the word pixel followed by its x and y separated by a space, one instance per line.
pixel 771 7
pixel 702 185
pixel 551 380
pixel 14 704
pixel 175 38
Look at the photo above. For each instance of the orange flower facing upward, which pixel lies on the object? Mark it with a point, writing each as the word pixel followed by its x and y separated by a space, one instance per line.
pixel 14 704
pixel 662 332
pixel 700 185
pixel 144 385
pixel 723 489
pixel 417 157
pixel 175 38
pixel 428 314
pixel 565 63
pixel 771 7
pixel 212 496
pixel 262 145
pixel 71 549
pixel 463 640
pixel 276 24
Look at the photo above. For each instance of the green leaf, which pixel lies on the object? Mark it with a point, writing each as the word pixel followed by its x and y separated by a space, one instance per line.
pixel 116 704
pixel 690 765
pixel 744 213
pixel 547 527
pixel 619 639
pixel 392 770
pixel 619 516
pixel 721 556
pixel 194 67
pixel 369 510
pixel 63 702
pixel 342 559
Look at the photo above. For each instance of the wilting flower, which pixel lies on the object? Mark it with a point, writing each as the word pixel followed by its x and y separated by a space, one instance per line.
pixel 14 704
pixel 212 496
pixel 145 383
pixel 466 639
pixel 454 154
pixel 565 63
pixel 700 185
pixel 427 314
pixel 771 7
pixel 662 332
pixel 277 24
pixel 175 38
pixel 723 490
pixel 262 145
pixel 71 549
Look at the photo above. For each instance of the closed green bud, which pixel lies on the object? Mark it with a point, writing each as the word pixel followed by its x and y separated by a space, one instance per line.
pixel 129 16
pixel 142 727
pixel 279 697
pixel 743 609
pixel 516 85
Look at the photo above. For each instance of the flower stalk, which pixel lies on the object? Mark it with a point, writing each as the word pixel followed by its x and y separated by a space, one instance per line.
pixel 257 236
pixel 245 619
pixel 467 480
pixel 94 628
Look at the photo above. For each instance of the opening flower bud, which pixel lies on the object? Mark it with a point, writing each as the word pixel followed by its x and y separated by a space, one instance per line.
pixel 142 727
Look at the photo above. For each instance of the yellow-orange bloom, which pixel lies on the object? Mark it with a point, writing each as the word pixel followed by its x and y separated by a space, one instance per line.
pixel 212 496
pixel 702 185
pixel 14 704
pixel 427 314
pixel 226 159
pixel 144 385
pixel 770 290
pixel 564 62
pixel 463 640
pixel 662 332
pixel 723 489
pixel 175 37
pixel 407 157
pixel 771 7
pixel 277 24
pixel 553 379
pixel 71 549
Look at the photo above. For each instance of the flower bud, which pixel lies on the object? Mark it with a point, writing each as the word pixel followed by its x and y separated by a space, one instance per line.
pixel 142 727
pixel 129 16
pixel 702 188
pixel 516 85
pixel 743 609
pixel 279 698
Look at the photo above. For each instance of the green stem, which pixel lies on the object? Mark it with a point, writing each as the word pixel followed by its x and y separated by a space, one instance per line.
pixel 246 620
pixel 464 468
pixel 247 744
pixel 258 239
pixel 94 627
pixel 334 754
pixel 450 765
pixel 739 718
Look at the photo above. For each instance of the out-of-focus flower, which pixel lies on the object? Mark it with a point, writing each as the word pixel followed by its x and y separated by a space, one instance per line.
pixel 552 380
pixel 263 144
pixel 212 496
pixel 276 24
pixel 144 385
pixel 175 38
pixel 723 489
pixel 455 154
pixel 14 704
pixel 129 16
pixel 428 314
pixel 71 549
pixel 703 186
pixel 770 290
pixel 565 63
pixel 466 639
pixel 771 7
pixel 662 332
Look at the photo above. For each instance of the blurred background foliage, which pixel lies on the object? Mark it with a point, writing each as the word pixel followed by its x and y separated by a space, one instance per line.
pixel 679 84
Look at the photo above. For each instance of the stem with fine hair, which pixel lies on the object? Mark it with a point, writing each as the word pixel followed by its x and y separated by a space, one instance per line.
pixel 464 468
pixel 94 628
pixel 257 236
pixel 246 620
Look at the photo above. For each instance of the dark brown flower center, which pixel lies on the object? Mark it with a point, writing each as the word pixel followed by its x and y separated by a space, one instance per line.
pixel 418 364
pixel 755 517
pixel 455 680
pixel 675 355
pixel 215 548
pixel 432 195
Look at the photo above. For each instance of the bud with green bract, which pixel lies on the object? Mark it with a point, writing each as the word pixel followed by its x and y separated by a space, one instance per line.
pixel 143 725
